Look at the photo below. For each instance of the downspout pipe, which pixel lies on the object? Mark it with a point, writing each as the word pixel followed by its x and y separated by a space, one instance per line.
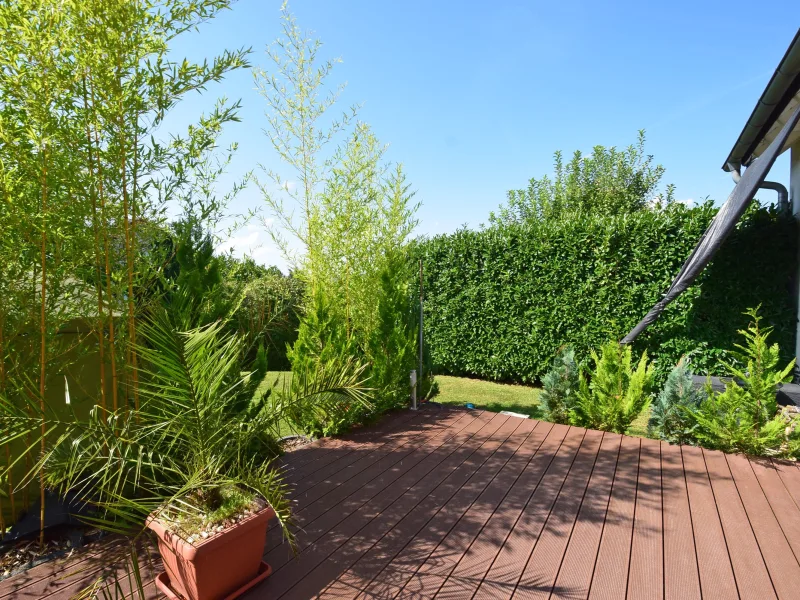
pixel 783 193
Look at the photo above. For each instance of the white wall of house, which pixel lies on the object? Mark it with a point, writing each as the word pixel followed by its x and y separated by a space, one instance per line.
pixel 794 198
pixel 794 184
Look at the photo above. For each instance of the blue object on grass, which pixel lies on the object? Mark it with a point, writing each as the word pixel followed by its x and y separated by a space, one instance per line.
pixel 470 405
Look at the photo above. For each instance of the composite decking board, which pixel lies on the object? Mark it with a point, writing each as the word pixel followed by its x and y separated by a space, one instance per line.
pixel 440 563
pixel 752 578
pixel 475 432
pixel 393 572
pixel 357 451
pixel 486 501
pixel 465 578
pixel 790 477
pixel 49 577
pixel 364 453
pixel 507 567
pixel 367 495
pixel 355 491
pixel 319 453
pixel 431 475
pixel 352 493
pixel 356 578
pixel 781 502
pixel 421 580
pixel 411 503
pixel 303 457
pixel 541 571
pixel 714 565
pixel 681 576
pixel 69 580
pixel 778 555
pixel 283 579
pixel 357 473
pixel 647 547
pixel 405 531
pixel 577 566
pixel 610 579
pixel 330 454
pixel 397 503
pixel 75 586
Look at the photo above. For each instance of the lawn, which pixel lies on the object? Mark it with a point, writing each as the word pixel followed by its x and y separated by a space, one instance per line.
pixel 496 397
pixel 278 380
pixel 458 391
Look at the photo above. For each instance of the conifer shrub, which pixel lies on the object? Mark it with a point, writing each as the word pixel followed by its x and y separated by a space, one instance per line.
pixel 671 418
pixel 323 347
pixel 616 390
pixel 392 345
pixel 561 384
pixel 746 417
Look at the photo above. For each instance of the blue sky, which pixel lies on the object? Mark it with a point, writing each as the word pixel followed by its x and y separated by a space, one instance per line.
pixel 474 97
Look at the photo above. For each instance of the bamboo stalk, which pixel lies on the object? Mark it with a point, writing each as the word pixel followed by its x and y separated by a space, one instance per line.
pixel 135 364
pixel 10 483
pixel 106 250
pixel 2 390
pixel 32 349
pixel 98 276
pixel 128 246
pixel 43 338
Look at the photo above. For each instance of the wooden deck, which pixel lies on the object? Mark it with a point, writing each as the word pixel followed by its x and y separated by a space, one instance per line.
pixel 455 504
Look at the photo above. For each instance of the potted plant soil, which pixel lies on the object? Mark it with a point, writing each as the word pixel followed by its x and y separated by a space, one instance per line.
pixel 215 554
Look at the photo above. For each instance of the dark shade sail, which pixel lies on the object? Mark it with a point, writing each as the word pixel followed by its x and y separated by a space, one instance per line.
pixel 723 223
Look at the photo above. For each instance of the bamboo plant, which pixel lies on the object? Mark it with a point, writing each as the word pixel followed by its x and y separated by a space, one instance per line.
pixel 86 180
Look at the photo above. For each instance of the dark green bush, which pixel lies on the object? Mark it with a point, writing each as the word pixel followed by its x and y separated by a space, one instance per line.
pixel 501 301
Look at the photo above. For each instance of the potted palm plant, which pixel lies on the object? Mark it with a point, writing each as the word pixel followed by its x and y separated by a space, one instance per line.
pixel 193 464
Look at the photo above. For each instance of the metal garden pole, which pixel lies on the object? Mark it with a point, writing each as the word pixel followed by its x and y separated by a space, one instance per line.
pixel 421 295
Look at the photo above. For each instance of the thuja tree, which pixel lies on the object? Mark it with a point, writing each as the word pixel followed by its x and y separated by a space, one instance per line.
pixel 342 218
pixel 746 416
pixel 85 185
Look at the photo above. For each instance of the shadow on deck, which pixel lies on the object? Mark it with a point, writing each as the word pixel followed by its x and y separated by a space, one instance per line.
pixel 455 504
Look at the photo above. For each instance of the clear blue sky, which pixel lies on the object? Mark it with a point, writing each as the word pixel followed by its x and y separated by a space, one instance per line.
pixel 474 97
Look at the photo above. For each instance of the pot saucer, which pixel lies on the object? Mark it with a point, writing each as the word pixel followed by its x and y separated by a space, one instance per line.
pixel 264 571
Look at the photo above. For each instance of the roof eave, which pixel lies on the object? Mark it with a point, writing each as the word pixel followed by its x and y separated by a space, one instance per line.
pixel 781 89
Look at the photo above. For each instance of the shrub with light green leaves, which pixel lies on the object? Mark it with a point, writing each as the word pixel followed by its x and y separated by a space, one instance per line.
pixel 745 417
pixel 615 392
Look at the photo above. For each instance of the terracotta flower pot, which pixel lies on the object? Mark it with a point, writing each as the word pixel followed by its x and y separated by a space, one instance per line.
pixel 218 567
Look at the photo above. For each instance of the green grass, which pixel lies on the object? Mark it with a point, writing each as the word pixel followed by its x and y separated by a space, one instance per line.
pixel 639 426
pixel 496 397
pixel 487 395
pixel 278 380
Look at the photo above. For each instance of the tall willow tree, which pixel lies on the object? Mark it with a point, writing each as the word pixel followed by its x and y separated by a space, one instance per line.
pixel 350 213
pixel 85 187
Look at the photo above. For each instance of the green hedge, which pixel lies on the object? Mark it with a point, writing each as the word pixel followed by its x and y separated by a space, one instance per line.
pixel 500 302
